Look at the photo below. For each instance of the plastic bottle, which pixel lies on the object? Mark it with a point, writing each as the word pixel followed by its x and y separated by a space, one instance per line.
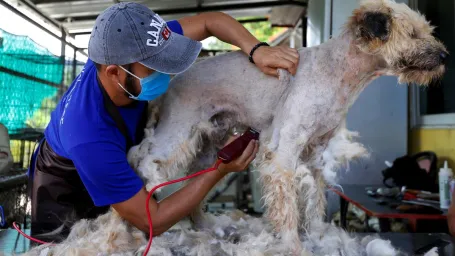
pixel 445 176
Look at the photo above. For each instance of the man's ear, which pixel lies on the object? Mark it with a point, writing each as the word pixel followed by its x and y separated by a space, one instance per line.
pixel 113 73
pixel 374 26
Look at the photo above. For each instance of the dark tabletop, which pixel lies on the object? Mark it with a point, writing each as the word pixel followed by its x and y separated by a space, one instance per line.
pixel 357 195
pixel 12 242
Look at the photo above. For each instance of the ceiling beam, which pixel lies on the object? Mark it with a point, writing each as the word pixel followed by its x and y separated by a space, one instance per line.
pixel 22 15
pixel 51 1
pixel 206 8
pixel 241 21
pixel 32 6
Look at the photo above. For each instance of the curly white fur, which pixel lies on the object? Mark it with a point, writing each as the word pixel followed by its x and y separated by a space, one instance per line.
pixel 234 234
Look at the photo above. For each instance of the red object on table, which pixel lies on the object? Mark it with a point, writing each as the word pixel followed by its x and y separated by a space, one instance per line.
pixel 356 195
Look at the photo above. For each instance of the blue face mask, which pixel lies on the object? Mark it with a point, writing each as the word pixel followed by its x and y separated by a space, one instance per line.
pixel 152 86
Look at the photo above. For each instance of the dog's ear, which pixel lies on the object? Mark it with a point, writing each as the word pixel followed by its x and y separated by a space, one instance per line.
pixel 373 26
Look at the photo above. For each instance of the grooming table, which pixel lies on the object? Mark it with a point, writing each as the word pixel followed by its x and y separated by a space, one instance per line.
pixel 357 195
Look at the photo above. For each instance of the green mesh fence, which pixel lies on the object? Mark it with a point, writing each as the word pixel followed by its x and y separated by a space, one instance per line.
pixel 30 80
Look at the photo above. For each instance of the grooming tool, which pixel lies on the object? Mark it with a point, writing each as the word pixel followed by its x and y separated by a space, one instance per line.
pixel 236 148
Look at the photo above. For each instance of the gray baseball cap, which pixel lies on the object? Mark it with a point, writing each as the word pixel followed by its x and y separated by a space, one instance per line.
pixel 129 32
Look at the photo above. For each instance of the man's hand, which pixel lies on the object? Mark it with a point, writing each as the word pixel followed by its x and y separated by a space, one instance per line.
pixel 181 203
pixel 242 162
pixel 229 30
pixel 269 59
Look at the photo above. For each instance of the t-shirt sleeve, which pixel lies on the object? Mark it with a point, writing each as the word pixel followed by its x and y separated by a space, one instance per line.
pixel 105 172
pixel 175 26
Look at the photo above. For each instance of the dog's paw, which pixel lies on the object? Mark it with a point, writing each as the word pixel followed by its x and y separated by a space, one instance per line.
pixel 150 170
pixel 138 153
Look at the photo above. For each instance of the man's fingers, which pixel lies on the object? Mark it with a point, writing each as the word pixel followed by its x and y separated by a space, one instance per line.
pixel 294 62
pixel 290 58
pixel 292 52
pixel 271 71
pixel 246 153
pixel 284 64
pixel 252 156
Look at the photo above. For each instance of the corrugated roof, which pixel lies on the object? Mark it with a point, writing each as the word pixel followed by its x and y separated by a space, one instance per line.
pixel 79 15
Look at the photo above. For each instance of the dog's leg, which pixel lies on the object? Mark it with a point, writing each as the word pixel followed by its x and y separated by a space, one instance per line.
pixel 221 122
pixel 311 200
pixel 278 177
pixel 165 156
pixel 337 150
pixel 199 219
pixel 138 152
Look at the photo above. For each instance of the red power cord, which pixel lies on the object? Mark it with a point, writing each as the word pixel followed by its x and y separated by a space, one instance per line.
pixel 27 236
pixel 217 164
pixel 165 184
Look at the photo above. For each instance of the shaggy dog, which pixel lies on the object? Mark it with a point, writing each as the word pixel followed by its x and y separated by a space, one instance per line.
pixel 303 139
pixel 302 118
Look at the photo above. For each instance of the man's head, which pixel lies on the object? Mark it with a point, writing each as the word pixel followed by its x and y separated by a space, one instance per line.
pixel 129 42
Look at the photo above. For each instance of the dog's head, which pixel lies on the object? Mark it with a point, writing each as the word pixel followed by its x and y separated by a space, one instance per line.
pixel 402 37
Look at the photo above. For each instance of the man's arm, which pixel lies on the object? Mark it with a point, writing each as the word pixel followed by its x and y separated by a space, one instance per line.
pixel 180 204
pixel 170 210
pixel 451 217
pixel 229 30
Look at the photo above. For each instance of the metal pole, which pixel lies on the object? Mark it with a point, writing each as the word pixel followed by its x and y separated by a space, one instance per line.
pixel 33 7
pixel 63 62
pixel 74 65
pixel 304 30
pixel 28 77
pixel 292 39
pixel 20 14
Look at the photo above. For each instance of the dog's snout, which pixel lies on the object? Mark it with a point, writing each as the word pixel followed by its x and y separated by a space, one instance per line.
pixel 443 57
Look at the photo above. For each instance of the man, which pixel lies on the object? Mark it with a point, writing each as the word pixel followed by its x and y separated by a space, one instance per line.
pixel 6 158
pixel 81 167
pixel 451 216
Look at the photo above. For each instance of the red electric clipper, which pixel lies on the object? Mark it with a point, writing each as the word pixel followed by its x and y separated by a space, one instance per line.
pixel 236 148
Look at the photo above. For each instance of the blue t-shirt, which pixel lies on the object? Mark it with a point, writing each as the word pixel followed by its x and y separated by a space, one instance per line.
pixel 82 130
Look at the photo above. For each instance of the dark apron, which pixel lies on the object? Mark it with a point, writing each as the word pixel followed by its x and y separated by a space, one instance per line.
pixel 58 196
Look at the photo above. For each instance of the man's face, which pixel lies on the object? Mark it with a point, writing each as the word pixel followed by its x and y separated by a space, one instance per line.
pixel 131 83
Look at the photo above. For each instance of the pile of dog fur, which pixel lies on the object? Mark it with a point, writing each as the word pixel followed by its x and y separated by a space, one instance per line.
pixel 233 234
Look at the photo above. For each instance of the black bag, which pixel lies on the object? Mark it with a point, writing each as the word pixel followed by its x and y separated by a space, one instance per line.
pixel 406 171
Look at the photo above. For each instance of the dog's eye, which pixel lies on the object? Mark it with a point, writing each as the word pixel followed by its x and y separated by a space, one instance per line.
pixel 414 34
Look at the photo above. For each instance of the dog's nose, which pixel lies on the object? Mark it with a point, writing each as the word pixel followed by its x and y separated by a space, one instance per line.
pixel 443 56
